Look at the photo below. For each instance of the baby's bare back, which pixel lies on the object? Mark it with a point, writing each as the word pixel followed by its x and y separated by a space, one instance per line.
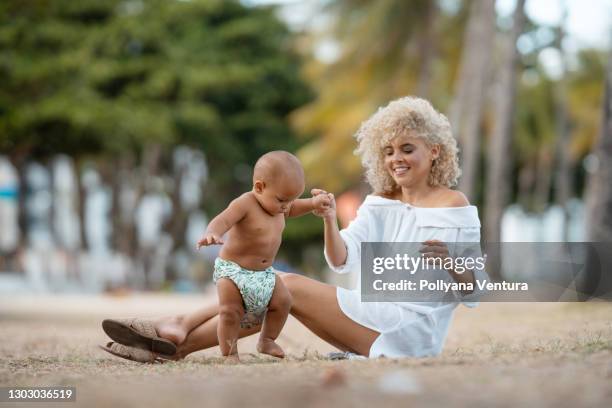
pixel 253 242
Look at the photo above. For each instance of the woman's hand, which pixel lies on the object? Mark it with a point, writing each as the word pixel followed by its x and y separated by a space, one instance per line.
pixel 434 249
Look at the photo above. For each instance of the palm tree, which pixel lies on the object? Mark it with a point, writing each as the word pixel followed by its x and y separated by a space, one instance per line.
pixel 389 48
pixel 466 110
pixel 597 279
pixel 599 190
pixel 563 180
pixel 499 160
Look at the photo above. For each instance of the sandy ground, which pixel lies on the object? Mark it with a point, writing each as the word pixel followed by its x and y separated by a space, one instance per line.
pixel 496 355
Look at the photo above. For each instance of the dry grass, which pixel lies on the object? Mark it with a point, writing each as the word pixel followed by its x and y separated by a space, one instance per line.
pixel 496 355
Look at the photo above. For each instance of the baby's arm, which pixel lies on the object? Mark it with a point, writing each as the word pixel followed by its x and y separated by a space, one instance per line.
pixel 219 225
pixel 303 206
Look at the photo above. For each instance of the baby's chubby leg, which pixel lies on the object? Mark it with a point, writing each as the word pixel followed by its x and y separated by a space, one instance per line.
pixel 231 311
pixel 275 319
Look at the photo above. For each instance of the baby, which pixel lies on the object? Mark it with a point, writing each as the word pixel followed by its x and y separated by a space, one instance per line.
pixel 247 286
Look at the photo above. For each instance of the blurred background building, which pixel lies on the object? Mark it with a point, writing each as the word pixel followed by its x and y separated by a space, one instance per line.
pixel 125 125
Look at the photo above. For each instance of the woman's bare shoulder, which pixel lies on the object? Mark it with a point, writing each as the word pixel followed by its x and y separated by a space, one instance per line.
pixel 453 198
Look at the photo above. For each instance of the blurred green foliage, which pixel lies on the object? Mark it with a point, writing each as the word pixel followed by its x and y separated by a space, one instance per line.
pixel 392 48
pixel 387 49
pixel 103 79
pixel 92 77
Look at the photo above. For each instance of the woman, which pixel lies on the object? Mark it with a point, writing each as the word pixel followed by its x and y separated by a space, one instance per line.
pixel 410 160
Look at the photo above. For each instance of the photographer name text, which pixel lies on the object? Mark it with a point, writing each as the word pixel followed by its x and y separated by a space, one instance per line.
pixel 443 286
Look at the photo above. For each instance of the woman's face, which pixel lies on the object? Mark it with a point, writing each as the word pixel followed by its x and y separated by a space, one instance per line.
pixel 408 159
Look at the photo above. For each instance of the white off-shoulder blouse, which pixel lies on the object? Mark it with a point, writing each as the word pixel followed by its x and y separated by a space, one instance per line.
pixel 407 329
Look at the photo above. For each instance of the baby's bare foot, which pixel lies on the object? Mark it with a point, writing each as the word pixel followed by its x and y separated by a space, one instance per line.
pixel 269 346
pixel 231 359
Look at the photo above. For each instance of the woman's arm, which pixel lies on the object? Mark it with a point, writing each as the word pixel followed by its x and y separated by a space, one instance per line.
pixel 342 248
pixel 334 244
pixel 335 248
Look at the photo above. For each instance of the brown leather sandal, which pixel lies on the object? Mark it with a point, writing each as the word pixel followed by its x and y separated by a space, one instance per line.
pixel 132 353
pixel 138 333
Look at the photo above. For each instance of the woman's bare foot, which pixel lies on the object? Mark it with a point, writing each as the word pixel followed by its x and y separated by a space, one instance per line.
pixel 170 328
pixel 269 346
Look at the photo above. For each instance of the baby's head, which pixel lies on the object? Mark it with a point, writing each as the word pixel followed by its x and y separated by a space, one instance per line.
pixel 278 179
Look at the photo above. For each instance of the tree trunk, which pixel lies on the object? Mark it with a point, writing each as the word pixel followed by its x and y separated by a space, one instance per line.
pixel 18 159
pixel 427 50
pixel 597 279
pixel 544 178
pixel 123 217
pixel 149 167
pixel 599 190
pixel 467 106
pixel 22 218
pixel 115 179
pixel 563 177
pixel 111 175
pixel 499 158
pixel 176 225
pixel 82 198
pixel 53 211
pixel 526 181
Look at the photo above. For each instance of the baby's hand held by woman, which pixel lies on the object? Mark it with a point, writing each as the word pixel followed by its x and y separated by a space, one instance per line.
pixel 320 202
pixel 327 206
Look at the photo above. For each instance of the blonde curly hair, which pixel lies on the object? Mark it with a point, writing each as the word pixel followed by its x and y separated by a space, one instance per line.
pixel 402 116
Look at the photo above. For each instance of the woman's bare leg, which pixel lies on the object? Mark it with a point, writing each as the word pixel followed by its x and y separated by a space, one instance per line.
pixel 195 331
pixel 316 306
pixel 201 330
pixel 176 328
pixel 205 336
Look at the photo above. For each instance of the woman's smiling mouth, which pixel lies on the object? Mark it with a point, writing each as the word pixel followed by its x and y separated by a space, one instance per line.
pixel 400 170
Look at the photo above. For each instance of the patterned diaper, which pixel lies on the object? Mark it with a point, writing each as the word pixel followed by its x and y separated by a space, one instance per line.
pixel 256 288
